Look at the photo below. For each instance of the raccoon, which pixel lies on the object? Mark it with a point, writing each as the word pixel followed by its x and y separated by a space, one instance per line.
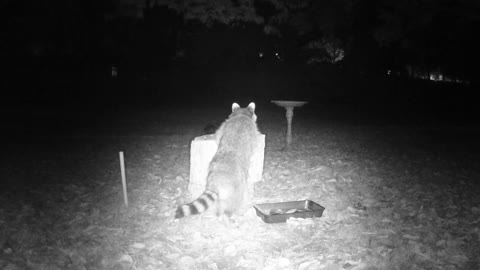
pixel 228 189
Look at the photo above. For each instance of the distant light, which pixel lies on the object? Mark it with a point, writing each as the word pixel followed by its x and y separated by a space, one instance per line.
pixel 260 54
pixel 278 56
pixel 389 72
pixel 114 71
pixel 179 54
pixel 436 77
pixel 433 75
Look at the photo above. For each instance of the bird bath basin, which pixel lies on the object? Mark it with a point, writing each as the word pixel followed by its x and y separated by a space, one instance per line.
pixel 289 105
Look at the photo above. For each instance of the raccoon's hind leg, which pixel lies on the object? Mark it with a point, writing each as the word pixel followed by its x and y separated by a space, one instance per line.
pixel 221 208
pixel 226 221
pixel 225 217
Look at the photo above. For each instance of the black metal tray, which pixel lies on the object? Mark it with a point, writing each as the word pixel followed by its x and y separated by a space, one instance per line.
pixel 280 212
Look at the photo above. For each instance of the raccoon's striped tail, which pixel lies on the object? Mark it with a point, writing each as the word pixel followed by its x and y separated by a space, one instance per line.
pixel 198 206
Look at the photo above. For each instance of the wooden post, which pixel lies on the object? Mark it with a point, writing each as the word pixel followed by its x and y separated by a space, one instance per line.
pixel 289 116
pixel 124 179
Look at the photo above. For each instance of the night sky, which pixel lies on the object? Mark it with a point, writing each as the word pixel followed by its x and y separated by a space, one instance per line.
pixel 98 54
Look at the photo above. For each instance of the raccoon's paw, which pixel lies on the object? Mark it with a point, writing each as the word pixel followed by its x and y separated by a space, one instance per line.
pixel 210 129
pixel 227 221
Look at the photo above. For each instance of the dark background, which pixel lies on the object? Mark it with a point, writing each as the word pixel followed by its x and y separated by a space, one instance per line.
pixel 59 56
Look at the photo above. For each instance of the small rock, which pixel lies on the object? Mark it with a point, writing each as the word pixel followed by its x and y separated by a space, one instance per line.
pixel 230 251
pixel 305 265
pixel 360 266
pixel 411 237
pixel 138 245
pixel 311 265
pixel 11 266
pixel 283 262
pixel 186 262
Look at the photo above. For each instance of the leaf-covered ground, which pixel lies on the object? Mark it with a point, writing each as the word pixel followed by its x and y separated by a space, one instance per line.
pixel 396 197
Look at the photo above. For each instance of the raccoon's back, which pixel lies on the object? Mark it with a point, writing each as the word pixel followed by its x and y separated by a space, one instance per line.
pixel 238 135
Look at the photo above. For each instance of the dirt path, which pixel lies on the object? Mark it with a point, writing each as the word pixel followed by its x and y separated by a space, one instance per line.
pixel 394 199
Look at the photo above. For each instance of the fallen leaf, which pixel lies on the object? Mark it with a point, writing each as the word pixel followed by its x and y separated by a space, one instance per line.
pixel 138 245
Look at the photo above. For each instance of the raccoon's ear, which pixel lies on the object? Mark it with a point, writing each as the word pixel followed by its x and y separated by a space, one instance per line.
pixel 235 107
pixel 251 107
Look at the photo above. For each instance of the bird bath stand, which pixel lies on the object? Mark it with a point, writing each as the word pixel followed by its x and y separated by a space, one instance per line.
pixel 289 105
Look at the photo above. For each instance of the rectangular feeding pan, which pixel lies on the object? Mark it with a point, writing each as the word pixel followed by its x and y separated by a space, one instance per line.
pixel 280 212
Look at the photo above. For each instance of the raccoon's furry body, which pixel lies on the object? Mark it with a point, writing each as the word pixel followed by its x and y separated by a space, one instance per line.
pixel 227 180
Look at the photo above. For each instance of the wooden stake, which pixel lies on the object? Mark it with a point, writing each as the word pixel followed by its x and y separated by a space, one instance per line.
pixel 124 179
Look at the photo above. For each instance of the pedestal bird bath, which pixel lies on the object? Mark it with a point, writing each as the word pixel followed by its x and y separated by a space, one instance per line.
pixel 289 105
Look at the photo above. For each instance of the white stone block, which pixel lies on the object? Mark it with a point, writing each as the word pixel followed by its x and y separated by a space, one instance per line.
pixel 256 163
pixel 203 149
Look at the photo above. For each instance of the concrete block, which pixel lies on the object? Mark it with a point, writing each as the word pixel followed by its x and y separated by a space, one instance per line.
pixel 203 149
